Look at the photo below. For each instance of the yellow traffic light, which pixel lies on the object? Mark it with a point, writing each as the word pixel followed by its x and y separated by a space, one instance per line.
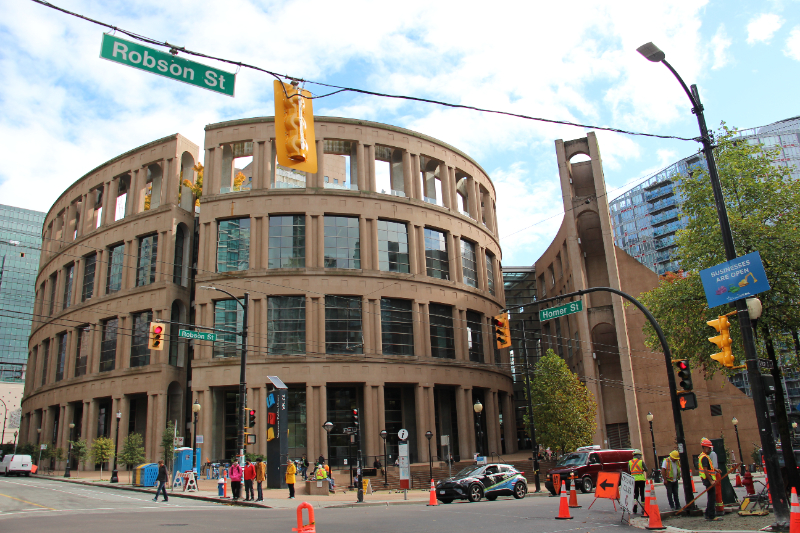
pixel 156 338
pixel 295 142
pixel 502 331
pixel 723 341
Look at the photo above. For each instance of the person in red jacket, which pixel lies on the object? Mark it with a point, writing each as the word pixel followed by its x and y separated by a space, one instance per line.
pixel 249 476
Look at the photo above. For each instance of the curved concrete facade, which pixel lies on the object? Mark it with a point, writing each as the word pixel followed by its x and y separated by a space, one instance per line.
pixel 371 284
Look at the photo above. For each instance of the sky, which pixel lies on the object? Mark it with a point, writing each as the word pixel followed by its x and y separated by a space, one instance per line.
pixel 65 111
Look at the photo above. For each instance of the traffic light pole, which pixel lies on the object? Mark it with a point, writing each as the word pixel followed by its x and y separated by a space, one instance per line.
pixel 686 472
pixel 777 490
pixel 242 381
pixel 531 428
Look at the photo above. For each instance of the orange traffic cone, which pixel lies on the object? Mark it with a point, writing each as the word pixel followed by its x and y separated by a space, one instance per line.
pixel 652 510
pixel 738 480
pixel 719 507
pixel 433 502
pixel 646 506
pixel 573 496
pixel 693 489
pixel 563 506
pixel 311 527
pixel 794 521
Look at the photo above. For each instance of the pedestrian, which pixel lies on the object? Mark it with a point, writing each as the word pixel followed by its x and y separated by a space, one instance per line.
pixel 638 470
pixel 671 473
pixel 162 481
pixel 236 480
pixel 321 460
pixel 249 476
pixel 709 476
pixel 304 467
pixel 261 475
pixel 291 470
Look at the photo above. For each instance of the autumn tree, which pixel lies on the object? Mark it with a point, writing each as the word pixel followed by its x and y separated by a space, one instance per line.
pixel 564 410
pixel 102 451
pixel 80 451
pixel 132 452
pixel 238 180
pixel 197 186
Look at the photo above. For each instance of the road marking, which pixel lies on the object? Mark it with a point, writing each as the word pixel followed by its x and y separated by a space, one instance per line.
pixel 26 501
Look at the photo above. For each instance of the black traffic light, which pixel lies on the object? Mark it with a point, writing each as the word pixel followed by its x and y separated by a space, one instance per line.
pixel 684 374
pixel 355 418
pixel 252 418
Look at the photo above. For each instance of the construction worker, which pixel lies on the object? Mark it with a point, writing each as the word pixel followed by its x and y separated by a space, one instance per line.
pixel 709 476
pixel 638 470
pixel 671 473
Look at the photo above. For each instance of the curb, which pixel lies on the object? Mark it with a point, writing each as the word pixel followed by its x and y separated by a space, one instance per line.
pixel 149 491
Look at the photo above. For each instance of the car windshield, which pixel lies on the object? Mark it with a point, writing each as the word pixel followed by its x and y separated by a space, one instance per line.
pixel 572 459
pixel 466 472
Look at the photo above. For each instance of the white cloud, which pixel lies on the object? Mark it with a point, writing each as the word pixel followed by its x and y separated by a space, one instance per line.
pixel 793 44
pixel 762 28
pixel 719 48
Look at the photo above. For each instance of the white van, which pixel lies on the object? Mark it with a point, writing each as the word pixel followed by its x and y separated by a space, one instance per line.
pixel 16 464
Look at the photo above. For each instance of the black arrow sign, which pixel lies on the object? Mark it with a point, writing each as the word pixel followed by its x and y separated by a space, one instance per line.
pixel 606 485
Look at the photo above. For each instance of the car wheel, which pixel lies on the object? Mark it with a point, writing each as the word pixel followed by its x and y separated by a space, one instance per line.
pixel 586 484
pixel 491 497
pixel 520 490
pixel 446 500
pixel 475 493
pixel 27 474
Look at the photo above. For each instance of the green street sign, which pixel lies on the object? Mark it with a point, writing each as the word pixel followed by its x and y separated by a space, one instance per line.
pixel 561 310
pixel 196 335
pixel 165 64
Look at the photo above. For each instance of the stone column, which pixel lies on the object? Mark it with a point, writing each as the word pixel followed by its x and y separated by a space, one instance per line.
pixel 480 259
pixel 509 423
pixel 430 416
pixel 125 324
pixel 92 421
pixel 205 425
pixel 469 423
pixel 458 271
pixel 447 187
pixel 320 239
pixel 166 255
pixel 381 413
pixel 489 411
pixel 365 243
pixel 369 424
pixel 370 170
pixel 417 325
pixel 372 224
pixel 413 252
pixel 313 426
pixel 319 177
pixel 323 417
pixel 150 444
pixel 124 407
pixel 84 211
pixel 416 190
pixel 169 178
pixel 361 167
pixel 129 264
pixel 420 410
pixel 371 336
pixel 408 184
pixel 453 192
pixel 100 273
pixel 460 334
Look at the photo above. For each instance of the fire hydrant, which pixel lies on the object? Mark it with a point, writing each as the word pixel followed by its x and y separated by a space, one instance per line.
pixel 748 484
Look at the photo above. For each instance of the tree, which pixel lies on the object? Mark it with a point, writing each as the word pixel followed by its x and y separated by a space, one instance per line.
pixel 80 451
pixel 763 204
pixel 102 451
pixel 564 410
pixel 132 451
pixel 238 180
pixel 58 455
pixel 168 444
pixel 197 186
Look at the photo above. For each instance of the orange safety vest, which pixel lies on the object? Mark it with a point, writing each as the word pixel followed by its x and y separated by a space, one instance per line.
pixel 710 472
pixel 636 467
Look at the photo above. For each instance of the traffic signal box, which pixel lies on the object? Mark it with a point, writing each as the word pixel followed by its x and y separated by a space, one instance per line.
pixel 686 398
pixel 723 341
pixel 355 419
pixel 502 331
pixel 295 142
pixel 156 339
pixel 249 437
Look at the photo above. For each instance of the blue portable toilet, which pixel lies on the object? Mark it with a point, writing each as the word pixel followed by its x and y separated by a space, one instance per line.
pixel 183 461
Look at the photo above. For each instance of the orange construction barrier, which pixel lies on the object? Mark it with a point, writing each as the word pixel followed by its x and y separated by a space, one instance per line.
pixel 311 527
pixel 563 506
pixel 433 502
pixel 719 507
pixel 652 510
pixel 573 494
pixel 794 521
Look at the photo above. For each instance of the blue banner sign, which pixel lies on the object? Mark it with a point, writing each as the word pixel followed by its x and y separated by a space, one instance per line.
pixel 733 280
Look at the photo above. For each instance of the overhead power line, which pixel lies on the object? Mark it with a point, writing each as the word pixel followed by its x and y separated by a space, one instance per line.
pixel 181 49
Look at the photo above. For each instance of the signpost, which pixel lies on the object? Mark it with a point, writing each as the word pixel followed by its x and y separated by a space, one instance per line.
pixel 402 461
pixel 561 310
pixel 196 335
pixel 733 280
pixel 166 64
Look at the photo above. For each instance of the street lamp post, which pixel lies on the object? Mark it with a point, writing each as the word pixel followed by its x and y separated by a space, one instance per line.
pixel 39 443
pixel 429 435
pixel 656 470
pixel 478 408
pixel 15 442
pixel 69 450
pixel 114 476
pixel 652 53
pixel 196 411
pixel 5 417
pixel 738 443
pixel 384 434
pixel 242 371
pixel 328 427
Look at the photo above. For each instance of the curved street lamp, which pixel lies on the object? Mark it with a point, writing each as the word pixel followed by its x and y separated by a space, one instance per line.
pixel 735 423
pixel 656 470
pixel 114 474
pixel 429 436
pixel 478 408
pixel 328 427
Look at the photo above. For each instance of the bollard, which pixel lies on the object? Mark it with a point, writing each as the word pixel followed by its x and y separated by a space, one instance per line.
pixel 221 487
pixel 305 528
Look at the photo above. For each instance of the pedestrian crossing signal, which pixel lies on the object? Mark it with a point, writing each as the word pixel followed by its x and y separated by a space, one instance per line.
pixel 687 401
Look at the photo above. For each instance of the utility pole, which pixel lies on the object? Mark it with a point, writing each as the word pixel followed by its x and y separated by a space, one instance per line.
pixel 242 381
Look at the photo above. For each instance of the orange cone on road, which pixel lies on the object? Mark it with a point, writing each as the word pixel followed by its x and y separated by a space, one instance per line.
pixel 646 506
pixel 738 480
pixel 693 489
pixel 794 521
pixel 563 506
pixel 652 510
pixel 573 496
pixel 433 501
